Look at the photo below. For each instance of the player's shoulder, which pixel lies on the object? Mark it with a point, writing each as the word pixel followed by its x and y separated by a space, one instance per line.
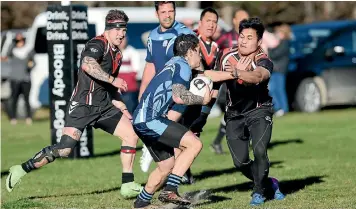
pixel 154 33
pixel 182 29
pixel 100 40
pixel 228 51
pixel 97 44
pixel 182 62
pixel 261 55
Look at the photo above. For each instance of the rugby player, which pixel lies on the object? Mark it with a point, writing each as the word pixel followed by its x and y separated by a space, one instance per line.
pixel 95 102
pixel 159 51
pixel 246 69
pixel 160 134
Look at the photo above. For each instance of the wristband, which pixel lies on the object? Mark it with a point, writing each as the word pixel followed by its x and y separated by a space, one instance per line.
pixel 206 109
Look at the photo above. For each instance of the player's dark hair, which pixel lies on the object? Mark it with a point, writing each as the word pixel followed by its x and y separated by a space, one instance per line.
pixel 158 3
pixel 183 43
pixel 254 23
pixel 115 14
pixel 211 10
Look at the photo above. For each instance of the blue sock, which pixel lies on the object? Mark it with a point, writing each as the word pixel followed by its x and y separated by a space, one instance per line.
pixel 145 196
pixel 173 182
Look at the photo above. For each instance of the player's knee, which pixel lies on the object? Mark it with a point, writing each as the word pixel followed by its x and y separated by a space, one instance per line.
pixel 260 152
pixel 65 146
pixel 241 163
pixel 130 139
pixel 48 153
pixel 196 145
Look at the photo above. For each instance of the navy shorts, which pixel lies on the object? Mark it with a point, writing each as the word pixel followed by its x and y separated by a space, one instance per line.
pixel 160 136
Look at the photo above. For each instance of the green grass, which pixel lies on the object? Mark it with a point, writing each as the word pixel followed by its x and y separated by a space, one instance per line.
pixel 313 155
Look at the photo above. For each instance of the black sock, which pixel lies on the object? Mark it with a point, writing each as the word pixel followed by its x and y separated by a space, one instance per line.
pixel 221 134
pixel 28 166
pixel 127 177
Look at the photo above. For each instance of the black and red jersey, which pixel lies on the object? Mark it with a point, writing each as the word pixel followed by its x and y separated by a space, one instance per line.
pixel 90 90
pixel 209 51
pixel 228 40
pixel 240 97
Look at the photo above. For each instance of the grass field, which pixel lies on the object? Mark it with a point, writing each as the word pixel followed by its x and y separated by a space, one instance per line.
pixel 313 155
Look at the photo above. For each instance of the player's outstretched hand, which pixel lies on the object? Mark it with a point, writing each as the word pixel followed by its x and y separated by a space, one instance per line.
pixel 243 64
pixel 207 96
pixel 120 83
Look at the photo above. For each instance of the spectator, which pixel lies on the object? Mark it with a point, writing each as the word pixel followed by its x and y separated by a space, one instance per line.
pixel 280 57
pixel 229 39
pixel 20 79
pixel 189 23
pixel 128 71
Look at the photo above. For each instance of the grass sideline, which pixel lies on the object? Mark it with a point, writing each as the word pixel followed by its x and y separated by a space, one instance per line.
pixel 311 154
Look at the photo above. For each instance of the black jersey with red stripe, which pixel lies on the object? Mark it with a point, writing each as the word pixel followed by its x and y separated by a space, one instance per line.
pixel 92 91
pixel 208 51
pixel 241 97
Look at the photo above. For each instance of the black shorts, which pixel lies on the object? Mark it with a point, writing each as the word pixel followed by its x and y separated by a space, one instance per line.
pixel 160 136
pixel 191 113
pixel 81 115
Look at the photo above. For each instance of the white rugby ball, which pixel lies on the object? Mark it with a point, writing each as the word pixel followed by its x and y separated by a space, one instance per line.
pixel 197 85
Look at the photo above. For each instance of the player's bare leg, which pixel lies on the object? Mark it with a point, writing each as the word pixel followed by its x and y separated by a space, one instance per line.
pixel 125 132
pixel 155 180
pixel 191 147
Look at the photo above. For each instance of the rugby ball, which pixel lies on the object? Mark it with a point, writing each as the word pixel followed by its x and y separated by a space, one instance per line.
pixel 197 85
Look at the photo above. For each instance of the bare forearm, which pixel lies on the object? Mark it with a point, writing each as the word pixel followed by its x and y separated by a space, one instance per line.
pixel 253 77
pixel 174 115
pixel 92 67
pixel 179 91
pixel 218 76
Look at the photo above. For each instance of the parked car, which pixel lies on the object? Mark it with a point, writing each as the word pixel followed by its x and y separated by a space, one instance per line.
pixel 323 65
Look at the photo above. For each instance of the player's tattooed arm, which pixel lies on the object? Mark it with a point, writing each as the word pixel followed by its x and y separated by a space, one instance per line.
pixel 183 96
pixel 92 67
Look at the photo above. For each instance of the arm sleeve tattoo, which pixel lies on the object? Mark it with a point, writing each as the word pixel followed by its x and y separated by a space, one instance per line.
pixel 188 97
pixel 92 67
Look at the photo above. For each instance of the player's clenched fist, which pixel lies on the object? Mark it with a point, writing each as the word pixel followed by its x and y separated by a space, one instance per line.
pixel 119 83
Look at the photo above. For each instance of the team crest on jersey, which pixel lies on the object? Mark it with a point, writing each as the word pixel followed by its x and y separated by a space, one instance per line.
pixel 93 50
pixel 165 43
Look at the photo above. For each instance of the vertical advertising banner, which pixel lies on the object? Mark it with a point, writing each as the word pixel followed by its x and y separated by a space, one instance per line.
pixel 67 33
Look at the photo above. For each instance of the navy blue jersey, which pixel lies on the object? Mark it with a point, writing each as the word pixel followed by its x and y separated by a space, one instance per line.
pixel 157 98
pixel 160 44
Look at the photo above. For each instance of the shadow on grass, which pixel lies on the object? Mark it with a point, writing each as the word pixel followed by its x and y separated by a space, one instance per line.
pixel 213 173
pixel 288 141
pixel 198 198
pixel 73 194
pixel 105 154
pixel 287 187
pixel 4 173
